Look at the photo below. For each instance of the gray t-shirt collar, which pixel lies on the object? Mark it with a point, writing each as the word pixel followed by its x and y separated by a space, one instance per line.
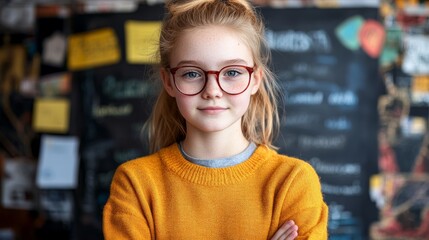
pixel 221 162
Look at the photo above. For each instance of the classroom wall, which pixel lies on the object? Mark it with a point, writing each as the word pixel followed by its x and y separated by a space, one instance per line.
pixel 76 86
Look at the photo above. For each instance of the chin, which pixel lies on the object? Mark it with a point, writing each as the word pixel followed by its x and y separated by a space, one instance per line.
pixel 213 128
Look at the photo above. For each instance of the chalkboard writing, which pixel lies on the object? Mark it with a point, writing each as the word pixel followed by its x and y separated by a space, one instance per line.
pixel 354 189
pixel 335 168
pixel 321 142
pixel 130 88
pixel 330 96
pixel 298 41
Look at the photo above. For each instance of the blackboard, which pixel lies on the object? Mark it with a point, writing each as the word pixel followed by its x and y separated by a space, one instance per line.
pixel 111 103
pixel 330 108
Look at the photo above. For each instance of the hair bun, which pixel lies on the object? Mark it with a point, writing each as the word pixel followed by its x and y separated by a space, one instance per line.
pixel 181 6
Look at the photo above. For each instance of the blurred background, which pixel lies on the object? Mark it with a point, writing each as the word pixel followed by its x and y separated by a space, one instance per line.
pixel 76 88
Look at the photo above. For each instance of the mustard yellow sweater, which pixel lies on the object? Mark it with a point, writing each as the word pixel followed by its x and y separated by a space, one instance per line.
pixel 164 196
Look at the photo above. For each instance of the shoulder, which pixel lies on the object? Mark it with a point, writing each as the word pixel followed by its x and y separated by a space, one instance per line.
pixel 300 166
pixel 288 167
pixel 283 160
pixel 297 178
pixel 147 161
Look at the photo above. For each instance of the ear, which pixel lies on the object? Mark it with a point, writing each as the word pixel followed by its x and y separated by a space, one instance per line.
pixel 166 82
pixel 257 80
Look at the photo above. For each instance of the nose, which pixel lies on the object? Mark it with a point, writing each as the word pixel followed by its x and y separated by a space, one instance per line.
pixel 212 88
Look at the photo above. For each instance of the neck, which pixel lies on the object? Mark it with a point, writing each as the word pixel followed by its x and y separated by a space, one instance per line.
pixel 214 145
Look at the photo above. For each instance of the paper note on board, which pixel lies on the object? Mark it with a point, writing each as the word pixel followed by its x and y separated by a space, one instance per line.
pixel 415 57
pixel 54 49
pixel 347 32
pixel 51 115
pixel 420 89
pixel 55 84
pixel 371 37
pixel 17 188
pixel 58 162
pixel 142 41
pixel 92 49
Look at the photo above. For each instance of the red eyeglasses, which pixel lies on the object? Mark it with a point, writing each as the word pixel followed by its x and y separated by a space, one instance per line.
pixel 232 79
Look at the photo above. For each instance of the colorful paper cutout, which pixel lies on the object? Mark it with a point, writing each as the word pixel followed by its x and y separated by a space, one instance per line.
pixel 371 37
pixel 392 46
pixel 142 39
pixel 388 56
pixel 51 115
pixel 348 32
pixel 92 49
pixel 55 84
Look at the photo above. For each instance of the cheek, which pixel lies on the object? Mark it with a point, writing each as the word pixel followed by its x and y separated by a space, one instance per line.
pixel 241 102
pixel 184 104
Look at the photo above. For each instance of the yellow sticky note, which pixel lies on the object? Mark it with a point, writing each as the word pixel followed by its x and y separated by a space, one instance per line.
pixel 92 49
pixel 142 39
pixel 420 84
pixel 51 115
pixel 375 181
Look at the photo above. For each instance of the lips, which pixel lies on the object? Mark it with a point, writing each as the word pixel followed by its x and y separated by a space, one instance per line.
pixel 212 109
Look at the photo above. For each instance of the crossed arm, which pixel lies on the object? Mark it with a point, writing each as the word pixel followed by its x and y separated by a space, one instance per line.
pixel 288 231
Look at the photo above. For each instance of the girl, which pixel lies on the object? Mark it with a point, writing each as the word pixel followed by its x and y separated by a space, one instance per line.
pixel 214 173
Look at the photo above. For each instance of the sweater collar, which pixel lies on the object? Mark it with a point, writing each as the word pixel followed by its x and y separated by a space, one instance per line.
pixel 175 162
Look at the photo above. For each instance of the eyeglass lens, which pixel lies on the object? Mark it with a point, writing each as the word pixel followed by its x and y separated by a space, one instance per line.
pixel 231 79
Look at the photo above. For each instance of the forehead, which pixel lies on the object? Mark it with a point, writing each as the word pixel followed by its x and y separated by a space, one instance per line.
pixel 210 46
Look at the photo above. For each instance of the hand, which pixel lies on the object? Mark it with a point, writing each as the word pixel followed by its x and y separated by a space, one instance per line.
pixel 288 231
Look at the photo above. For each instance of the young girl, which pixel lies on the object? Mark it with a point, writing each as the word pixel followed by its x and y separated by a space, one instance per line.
pixel 214 173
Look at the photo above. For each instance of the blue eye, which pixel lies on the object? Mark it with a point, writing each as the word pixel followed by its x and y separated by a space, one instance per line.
pixel 232 73
pixel 192 75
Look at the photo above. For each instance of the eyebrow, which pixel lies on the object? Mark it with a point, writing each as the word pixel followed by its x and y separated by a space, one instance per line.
pixel 223 63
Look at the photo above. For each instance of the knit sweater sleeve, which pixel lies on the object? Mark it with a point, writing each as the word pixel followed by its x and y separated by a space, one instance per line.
pixel 122 214
pixel 305 205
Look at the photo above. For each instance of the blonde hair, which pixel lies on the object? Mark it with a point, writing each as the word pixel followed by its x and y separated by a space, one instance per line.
pixel 260 123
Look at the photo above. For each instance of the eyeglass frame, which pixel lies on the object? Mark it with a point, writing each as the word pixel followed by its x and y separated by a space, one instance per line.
pixel 206 73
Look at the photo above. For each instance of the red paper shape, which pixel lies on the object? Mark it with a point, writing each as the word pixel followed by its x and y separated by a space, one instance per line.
pixel 371 37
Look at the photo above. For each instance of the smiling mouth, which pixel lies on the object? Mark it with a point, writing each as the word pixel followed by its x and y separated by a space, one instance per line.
pixel 212 110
